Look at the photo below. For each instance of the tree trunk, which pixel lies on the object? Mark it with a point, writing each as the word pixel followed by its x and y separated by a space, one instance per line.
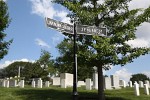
pixel 100 84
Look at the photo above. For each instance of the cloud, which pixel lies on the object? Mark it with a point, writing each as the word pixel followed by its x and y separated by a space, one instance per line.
pixel 41 43
pixel 123 74
pixel 146 73
pixel 139 43
pixel 45 8
pixel 6 63
pixel 57 38
pixel 139 4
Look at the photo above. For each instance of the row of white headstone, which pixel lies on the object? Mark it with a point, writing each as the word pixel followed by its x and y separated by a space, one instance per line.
pixel 39 83
pixel 12 83
pixel 137 91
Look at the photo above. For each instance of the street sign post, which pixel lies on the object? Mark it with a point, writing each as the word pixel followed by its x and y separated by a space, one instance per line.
pixel 74 30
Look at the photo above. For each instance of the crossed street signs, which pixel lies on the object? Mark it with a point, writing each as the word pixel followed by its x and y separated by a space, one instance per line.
pixel 80 29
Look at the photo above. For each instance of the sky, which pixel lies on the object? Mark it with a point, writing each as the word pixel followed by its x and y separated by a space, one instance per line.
pixel 30 34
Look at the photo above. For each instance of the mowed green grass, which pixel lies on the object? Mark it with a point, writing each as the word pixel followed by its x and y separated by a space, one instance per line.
pixel 57 93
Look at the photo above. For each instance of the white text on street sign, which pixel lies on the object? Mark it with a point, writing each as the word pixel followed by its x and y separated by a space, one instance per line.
pixel 60 26
pixel 91 30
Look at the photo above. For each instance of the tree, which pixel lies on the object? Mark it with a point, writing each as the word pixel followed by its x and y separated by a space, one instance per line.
pixel 46 62
pixel 4 22
pixel 139 77
pixel 64 61
pixel 28 70
pixel 121 24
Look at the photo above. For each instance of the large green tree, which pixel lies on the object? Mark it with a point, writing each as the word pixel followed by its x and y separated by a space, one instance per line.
pixel 4 22
pixel 46 62
pixel 64 61
pixel 139 77
pixel 121 24
pixel 28 70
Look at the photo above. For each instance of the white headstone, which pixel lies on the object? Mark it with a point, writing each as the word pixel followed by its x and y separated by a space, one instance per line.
pixel 130 84
pixel 33 83
pixel 95 80
pixel 63 83
pixel 148 84
pixel 68 77
pixel 124 84
pixel 141 84
pixel 146 89
pixel 107 83
pixel 40 83
pixel 136 89
pixel 56 81
pixel 7 83
pixel 22 83
pixel 4 83
pixel 88 84
pixel 47 84
pixel 115 81
pixel 81 83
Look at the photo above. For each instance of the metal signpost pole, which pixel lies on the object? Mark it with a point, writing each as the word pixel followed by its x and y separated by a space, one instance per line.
pixel 75 93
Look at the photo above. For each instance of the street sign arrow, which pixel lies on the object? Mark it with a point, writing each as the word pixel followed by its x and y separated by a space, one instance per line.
pixel 91 30
pixel 60 26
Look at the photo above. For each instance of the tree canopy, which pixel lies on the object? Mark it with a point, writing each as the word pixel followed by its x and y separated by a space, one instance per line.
pixel 139 77
pixel 121 24
pixel 4 23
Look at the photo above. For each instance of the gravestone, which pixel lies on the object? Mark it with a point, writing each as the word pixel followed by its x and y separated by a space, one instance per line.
pixel 146 89
pixel 107 83
pixel 136 89
pixel 3 83
pixel 68 77
pixel 148 84
pixel 40 83
pixel 130 84
pixel 56 81
pixel 12 83
pixel 63 83
pixel 81 83
pixel 95 78
pixel 47 84
pixel 36 81
pixel 22 83
pixel 115 81
pixel 88 84
pixel 141 84
pixel 33 83
pixel 7 83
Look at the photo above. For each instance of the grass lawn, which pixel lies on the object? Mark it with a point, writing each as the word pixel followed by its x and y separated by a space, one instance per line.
pixel 57 93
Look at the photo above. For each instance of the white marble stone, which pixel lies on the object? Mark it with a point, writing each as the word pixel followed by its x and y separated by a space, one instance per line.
pixel 22 83
pixel 141 85
pixel 146 89
pixel 147 82
pixel 130 84
pixel 3 83
pixel 56 81
pixel 88 84
pixel 68 77
pixel 115 81
pixel 7 83
pixel 107 83
pixel 33 83
pixel 136 89
pixel 63 83
pixel 40 83
pixel 95 80
pixel 81 83
pixel 47 84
